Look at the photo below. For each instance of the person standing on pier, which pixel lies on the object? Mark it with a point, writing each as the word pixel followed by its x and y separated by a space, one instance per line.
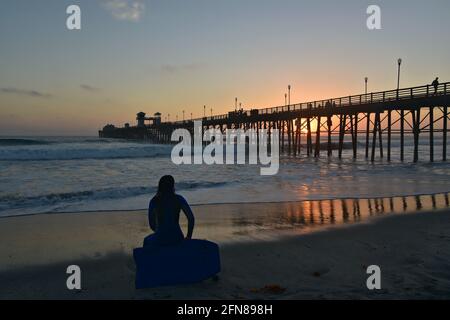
pixel 435 84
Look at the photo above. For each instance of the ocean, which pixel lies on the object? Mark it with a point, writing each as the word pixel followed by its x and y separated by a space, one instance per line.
pixel 78 174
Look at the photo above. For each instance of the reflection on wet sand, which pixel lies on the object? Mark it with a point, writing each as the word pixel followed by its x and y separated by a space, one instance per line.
pixel 343 211
pixel 260 221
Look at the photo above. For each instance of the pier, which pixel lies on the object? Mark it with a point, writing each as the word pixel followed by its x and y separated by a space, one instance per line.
pixel 371 118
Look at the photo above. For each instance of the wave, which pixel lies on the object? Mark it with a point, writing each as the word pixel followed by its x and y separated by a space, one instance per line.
pixel 77 153
pixel 97 141
pixel 17 202
pixel 22 142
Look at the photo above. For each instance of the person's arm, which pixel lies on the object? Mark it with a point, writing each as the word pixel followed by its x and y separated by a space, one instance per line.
pixel 189 215
pixel 152 215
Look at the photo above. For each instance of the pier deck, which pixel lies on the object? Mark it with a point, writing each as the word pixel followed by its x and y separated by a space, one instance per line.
pixel 377 116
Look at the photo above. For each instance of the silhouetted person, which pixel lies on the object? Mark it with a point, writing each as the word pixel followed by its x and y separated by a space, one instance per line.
pixel 435 84
pixel 164 214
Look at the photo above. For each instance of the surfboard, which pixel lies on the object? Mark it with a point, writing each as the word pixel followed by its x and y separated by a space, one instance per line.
pixel 190 261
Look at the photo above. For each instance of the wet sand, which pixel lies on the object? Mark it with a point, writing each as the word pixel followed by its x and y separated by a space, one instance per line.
pixel 309 261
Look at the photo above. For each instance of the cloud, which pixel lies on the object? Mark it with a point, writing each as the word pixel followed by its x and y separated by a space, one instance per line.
pixel 27 93
pixel 171 69
pixel 89 88
pixel 128 10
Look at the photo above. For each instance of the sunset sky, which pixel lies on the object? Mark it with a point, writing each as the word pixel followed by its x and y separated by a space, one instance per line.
pixel 169 56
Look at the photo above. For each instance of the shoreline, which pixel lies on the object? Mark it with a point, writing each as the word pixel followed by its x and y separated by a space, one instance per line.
pixel 237 203
pixel 410 250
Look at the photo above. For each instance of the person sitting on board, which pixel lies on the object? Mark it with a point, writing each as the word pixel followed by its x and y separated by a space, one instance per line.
pixel 164 214
pixel 158 261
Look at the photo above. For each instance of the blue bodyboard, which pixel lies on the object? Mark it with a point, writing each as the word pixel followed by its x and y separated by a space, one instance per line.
pixel 188 262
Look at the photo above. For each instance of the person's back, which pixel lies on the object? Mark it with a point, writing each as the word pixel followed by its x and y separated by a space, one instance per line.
pixel 164 214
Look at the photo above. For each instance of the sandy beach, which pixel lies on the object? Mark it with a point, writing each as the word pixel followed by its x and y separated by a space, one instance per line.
pixel 411 249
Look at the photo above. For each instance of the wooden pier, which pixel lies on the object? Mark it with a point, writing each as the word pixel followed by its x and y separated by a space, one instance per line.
pixel 374 118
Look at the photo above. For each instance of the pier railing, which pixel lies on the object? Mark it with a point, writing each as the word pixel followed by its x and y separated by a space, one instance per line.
pixel 442 89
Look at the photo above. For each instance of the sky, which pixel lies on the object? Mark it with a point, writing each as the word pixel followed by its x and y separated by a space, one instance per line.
pixel 173 55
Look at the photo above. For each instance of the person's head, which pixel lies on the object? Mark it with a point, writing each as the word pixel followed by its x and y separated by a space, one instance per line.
pixel 437 78
pixel 166 185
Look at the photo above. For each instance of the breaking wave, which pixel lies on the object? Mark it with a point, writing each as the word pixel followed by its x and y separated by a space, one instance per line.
pixel 22 142
pixel 70 152
pixel 17 202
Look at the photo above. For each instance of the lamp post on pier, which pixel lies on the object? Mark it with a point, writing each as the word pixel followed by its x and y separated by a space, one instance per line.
pixel 289 94
pixel 366 79
pixel 402 115
pixel 289 97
